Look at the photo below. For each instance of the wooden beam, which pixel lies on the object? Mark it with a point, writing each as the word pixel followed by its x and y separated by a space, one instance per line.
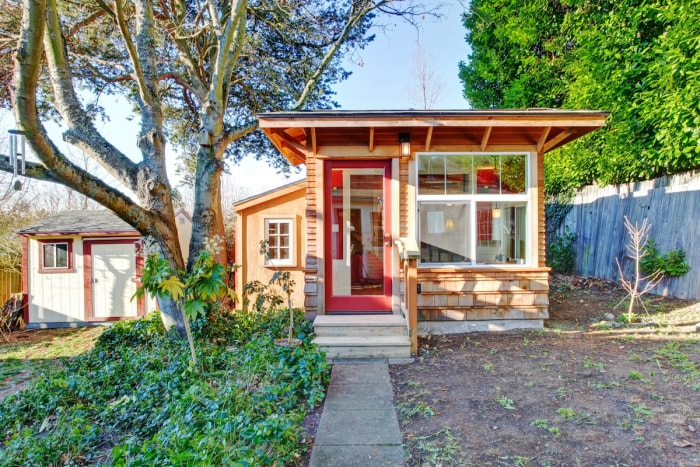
pixel 428 138
pixel 313 140
pixel 371 139
pixel 291 142
pixel 325 151
pixel 522 120
pixel 485 138
pixel 291 149
pixel 543 138
pixel 549 145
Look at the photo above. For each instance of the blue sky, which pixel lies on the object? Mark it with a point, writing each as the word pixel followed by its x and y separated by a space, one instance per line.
pixel 384 79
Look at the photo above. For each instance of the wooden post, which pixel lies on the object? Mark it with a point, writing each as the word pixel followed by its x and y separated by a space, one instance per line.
pixel 409 254
pixel 411 303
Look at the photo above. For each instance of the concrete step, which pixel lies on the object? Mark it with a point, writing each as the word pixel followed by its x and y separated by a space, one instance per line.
pixel 362 336
pixel 360 325
pixel 365 346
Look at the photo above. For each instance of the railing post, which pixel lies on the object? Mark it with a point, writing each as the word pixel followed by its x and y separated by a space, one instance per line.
pixel 411 303
pixel 409 254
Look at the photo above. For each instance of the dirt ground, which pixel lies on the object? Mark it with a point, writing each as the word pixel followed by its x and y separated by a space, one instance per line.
pixel 579 392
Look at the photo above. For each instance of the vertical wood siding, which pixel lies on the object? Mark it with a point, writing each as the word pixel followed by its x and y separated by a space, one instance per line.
pixel 10 282
pixel 672 205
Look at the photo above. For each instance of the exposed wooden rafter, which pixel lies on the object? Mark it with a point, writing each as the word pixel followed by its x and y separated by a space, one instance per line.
pixel 428 138
pixel 549 145
pixel 485 137
pixel 543 138
pixel 371 139
pixel 313 141
pixel 296 152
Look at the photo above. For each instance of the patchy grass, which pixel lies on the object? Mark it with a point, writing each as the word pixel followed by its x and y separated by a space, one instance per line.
pixel 31 353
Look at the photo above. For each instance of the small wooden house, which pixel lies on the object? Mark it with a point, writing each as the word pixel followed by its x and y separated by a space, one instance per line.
pixel 275 217
pixel 83 267
pixel 422 221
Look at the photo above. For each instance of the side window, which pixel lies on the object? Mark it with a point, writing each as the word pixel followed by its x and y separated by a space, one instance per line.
pixel 279 235
pixel 56 256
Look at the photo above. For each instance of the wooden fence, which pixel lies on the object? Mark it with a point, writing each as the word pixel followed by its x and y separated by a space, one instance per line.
pixel 672 205
pixel 10 282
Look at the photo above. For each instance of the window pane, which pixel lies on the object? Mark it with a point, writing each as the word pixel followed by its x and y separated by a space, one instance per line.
pixel 486 170
pixel 272 241
pixel 431 174
pixel 284 241
pixel 49 255
pixel 284 253
pixel 284 228
pixel 272 228
pixel 459 174
pixel 61 255
pixel 445 232
pixel 502 236
pixel 513 174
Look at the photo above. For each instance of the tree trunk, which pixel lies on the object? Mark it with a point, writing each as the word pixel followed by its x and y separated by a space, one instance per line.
pixel 207 219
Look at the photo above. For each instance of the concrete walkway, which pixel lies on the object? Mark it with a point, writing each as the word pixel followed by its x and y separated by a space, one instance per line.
pixel 358 426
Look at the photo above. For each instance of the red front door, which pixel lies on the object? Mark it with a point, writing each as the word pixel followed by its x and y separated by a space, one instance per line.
pixel 358 238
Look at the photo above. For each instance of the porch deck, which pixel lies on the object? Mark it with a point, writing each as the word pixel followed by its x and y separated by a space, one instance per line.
pixel 362 336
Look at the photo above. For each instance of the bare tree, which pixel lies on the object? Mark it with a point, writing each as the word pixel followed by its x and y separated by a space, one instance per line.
pixel 426 87
pixel 639 285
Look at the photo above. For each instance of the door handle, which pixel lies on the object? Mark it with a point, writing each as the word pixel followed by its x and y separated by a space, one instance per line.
pixel 388 241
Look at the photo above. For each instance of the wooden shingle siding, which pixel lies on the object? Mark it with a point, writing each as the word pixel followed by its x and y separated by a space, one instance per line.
pixel 312 239
pixel 541 228
pixel 403 202
pixel 488 295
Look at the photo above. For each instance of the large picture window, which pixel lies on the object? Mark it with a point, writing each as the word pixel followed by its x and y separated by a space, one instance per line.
pixel 279 234
pixel 472 209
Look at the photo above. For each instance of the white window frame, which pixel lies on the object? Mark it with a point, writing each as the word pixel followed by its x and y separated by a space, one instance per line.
pixel 471 200
pixel 42 247
pixel 291 261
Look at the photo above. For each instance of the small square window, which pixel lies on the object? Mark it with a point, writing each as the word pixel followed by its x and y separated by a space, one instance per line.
pixel 279 235
pixel 55 256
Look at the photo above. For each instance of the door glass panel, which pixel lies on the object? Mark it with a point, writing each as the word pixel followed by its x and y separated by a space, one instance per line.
pixel 357 229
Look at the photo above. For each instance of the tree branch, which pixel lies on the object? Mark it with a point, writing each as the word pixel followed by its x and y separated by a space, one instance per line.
pixel 81 131
pixel 354 18
pixel 33 170
pixel 28 65
pixel 230 136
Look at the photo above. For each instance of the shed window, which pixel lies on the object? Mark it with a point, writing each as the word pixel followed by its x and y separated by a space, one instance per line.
pixel 279 235
pixel 472 209
pixel 56 256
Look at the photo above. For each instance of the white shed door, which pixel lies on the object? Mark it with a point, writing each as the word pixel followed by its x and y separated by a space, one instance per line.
pixel 113 268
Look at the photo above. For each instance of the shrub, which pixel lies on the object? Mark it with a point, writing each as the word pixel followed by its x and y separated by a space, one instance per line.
pixel 135 399
pixel 561 253
pixel 669 264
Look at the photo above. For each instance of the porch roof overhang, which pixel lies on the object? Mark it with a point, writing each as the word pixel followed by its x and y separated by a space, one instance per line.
pixel 375 134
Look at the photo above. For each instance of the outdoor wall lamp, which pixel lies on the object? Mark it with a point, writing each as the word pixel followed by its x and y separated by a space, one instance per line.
pixel 405 144
pixel 496 213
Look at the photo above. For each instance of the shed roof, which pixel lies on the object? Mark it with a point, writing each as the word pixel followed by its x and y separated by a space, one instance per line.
pixel 299 135
pixel 79 222
pixel 266 196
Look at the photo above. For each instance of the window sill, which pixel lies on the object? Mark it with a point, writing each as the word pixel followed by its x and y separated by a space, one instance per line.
pixel 56 271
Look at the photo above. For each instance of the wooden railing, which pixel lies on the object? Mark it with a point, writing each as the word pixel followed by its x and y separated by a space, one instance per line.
pixel 409 254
